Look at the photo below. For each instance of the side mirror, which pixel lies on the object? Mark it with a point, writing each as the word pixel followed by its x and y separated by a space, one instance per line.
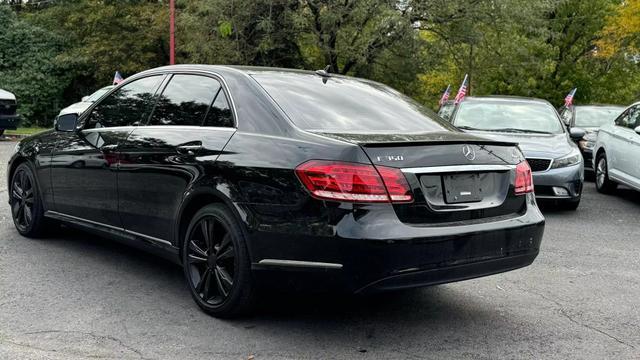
pixel 66 122
pixel 637 130
pixel 577 133
pixel 85 98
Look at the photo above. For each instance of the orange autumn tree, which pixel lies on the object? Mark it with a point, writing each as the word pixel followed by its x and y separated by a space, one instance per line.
pixel 622 32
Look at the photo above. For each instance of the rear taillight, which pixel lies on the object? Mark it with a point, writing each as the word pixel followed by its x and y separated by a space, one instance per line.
pixel 353 182
pixel 524 179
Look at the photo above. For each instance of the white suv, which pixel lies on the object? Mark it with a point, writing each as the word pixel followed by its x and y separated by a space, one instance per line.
pixel 617 152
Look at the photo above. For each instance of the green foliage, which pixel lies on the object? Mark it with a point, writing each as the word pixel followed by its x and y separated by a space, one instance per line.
pixel 56 52
pixel 107 36
pixel 31 67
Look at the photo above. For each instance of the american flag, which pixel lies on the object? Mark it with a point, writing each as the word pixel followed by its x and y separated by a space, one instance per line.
pixel 445 95
pixel 117 78
pixel 463 90
pixel 568 101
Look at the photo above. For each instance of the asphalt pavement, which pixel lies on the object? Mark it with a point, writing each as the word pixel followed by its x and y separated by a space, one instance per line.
pixel 76 296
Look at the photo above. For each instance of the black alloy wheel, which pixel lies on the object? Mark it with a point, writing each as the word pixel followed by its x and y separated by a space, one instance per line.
pixel 26 205
pixel 22 200
pixel 216 263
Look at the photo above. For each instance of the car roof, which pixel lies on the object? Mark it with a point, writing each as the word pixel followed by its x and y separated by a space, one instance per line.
pixel 234 68
pixel 5 95
pixel 601 105
pixel 241 70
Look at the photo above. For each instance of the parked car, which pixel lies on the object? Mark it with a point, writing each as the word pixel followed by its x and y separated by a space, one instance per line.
pixel 617 152
pixel 86 102
pixel 258 177
pixel 535 125
pixel 589 118
pixel 446 110
pixel 9 120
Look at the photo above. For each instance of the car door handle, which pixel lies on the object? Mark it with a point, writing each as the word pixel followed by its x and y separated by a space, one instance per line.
pixel 190 149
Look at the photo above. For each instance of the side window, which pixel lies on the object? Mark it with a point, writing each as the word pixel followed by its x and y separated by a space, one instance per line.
pixel 129 105
pixel 185 100
pixel 220 113
pixel 566 115
pixel 446 111
pixel 627 119
pixel 634 117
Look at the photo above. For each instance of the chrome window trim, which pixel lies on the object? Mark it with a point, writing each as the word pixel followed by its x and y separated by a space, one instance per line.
pixel 168 73
pixel 457 168
pixel 212 74
pixel 189 127
pixel 84 116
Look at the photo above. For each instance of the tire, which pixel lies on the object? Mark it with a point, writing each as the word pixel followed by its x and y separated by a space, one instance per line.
pixel 1 132
pixel 217 266
pixel 25 200
pixel 603 183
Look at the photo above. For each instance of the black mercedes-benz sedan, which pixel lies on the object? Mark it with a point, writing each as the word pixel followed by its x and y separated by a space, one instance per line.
pixel 272 178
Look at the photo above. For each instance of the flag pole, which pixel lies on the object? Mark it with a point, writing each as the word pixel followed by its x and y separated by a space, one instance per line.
pixel 172 32
pixel 462 91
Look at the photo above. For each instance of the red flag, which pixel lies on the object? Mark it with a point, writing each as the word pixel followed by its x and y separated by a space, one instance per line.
pixel 462 92
pixel 445 95
pixel 117 78
pixel 568 101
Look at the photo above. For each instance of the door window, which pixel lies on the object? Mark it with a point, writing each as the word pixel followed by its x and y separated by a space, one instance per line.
pixel 634 117
pixel 220 113
pixel 185 101
pixel 566 114
pixel 127 106
pixel 629 118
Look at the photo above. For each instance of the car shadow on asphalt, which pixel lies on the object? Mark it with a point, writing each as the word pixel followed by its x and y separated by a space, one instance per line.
pixel 624 194
pixel 430 303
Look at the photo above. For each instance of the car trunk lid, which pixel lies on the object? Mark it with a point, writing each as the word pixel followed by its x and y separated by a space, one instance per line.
pixel 455 177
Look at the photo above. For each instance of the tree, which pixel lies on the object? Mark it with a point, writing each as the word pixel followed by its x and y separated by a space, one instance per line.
pixel 32 67
pixel 108 35
pixel 240 32
pixel 622 32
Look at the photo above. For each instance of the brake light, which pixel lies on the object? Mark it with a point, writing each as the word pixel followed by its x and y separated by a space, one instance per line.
pixel 396 184
pixel 353 182
pixel 524 179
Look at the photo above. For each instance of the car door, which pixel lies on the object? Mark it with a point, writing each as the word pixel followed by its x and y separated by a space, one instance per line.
pixel 189 127
pixel 621 158
pixel 632 165
pixel 84 162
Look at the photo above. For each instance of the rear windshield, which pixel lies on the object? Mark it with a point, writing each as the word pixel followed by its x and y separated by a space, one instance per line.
pixel 596 116
pixel 502 115
pixel 347 105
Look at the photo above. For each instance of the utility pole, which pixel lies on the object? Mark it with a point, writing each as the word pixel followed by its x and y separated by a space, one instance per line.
pixel 172 32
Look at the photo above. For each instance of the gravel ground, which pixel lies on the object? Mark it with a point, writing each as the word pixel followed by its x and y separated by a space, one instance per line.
pixel 75 296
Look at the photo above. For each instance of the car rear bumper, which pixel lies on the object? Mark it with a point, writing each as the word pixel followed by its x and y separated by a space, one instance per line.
pixel 9 122
pixel 452 273
pixel 372 257
pixel 559 184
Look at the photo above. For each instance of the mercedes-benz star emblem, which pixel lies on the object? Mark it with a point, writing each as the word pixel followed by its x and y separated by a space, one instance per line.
pixel 468 152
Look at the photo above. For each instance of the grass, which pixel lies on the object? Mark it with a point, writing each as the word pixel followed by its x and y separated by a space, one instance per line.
pixel 25 131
